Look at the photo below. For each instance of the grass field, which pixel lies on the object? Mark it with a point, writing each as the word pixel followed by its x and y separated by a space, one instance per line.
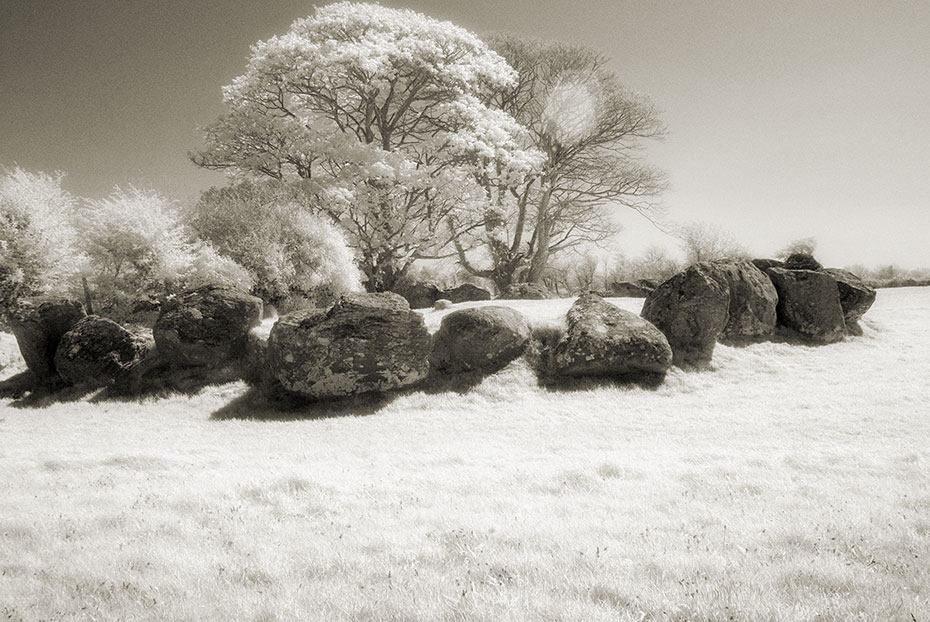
pixel 787 483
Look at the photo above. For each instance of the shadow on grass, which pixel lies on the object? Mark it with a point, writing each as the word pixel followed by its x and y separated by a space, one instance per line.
pixel 255 405
pixel 569 384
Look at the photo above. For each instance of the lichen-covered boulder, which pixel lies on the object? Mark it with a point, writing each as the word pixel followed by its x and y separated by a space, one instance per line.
pixel 484 339
pixel 692 310
pixel 364 343
pixel 206 326
pixel 98 352
pixel 419 295
pixel 605 340
pixel 802 261
pixel 38 325
pixel 856 297
pixel 466 293
pixel 809 304
pixel 527 291
pixel 765 264
pixel 753 300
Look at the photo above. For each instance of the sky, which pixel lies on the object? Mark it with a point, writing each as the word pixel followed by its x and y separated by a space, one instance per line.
pixel 785 119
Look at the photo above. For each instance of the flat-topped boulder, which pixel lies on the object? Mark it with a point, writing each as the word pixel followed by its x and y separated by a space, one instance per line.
pixel 466 293
pixel 206 326
pixel 809 304
pixel 692 310
pixel 99 352
pixel 527 291
pixel 856 297
pixel 39 324
pixel 753 301
pixel 482 339
pixel 364 343
pixel 605 340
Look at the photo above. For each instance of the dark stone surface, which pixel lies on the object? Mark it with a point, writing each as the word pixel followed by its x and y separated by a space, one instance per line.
pixel 692 310
pixel 38 325
pixel 466 293
pixel 419 295
pixel 753 301
pixel 605 340
pixel 765 264
pixel 527 291
pixel 206 326
pixel 364 343
pixel 802 261
pixel 809 304
pixel 856 297
pixel 483 339
pixel 98 352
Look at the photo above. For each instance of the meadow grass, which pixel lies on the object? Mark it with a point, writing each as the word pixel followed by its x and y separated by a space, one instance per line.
pixel 786 483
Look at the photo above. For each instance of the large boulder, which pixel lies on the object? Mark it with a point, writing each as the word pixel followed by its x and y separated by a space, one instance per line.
pixel 692 310
pixel 38 325
pixel 419 295
pixel 605 340
pixel 753 300
pixel 802 261
pixel 364 343
pixel 809 304
pixel 626 289
pixel 765 264
pixel 484 339
pixel 466 293
pixel 527 291
pixel 206 326
pixel 98 352
pixel 856 297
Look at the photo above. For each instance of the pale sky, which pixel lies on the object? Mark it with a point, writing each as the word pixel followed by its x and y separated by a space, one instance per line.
pixel 785 119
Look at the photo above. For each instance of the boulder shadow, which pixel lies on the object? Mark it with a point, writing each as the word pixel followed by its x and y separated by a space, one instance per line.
pixel 256 405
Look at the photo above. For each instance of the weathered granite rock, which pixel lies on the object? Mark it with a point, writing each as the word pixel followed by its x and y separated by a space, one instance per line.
pixel 809 304
pixel 99 352
pixel 38 325
pixel 466 293
pixel 206 326
pixel 364 343
pixel 692 310
pixel 856 297
pixel 753 300
pixel 527 291
pixel 605 340
pixel 483 339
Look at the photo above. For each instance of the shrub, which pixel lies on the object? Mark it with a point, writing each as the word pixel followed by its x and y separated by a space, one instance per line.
pixel 37 253
pixel 295 257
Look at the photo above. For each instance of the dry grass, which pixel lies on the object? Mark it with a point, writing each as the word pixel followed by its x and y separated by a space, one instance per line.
pixel 788 483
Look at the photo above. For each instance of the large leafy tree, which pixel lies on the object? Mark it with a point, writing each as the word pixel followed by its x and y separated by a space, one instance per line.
pixel 383 117
pixel 590 131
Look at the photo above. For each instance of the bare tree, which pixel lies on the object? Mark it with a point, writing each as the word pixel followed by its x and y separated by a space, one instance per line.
pixel 702 242
pixel 589 129
pixel 801 245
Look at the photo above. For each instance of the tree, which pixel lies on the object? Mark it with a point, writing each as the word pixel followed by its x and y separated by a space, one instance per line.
pixel 589 130
pixel 702 242
pixel 289 252
pixel 382 115
pixel 37 242
pixel 801 245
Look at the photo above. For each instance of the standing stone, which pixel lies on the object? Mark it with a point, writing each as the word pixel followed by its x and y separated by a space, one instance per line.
pixel 856 297
pixel 605 340
pixel 98 352
pixel 692 310
pixel 809 304
pixel 38 325
pixel 206 326
pixel 364 343
pixel 753 301
pixel 483 339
